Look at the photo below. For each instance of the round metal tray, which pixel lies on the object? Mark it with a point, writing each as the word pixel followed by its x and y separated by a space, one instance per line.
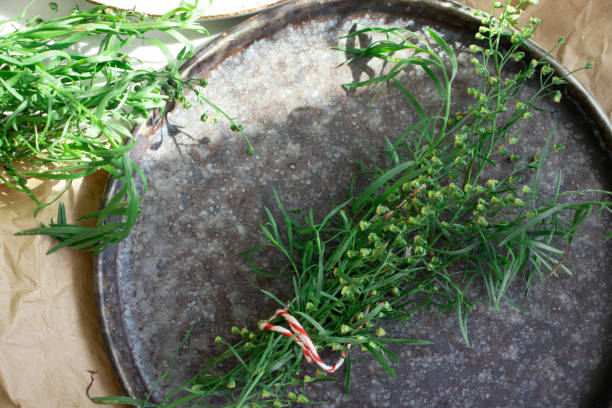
pixel 278 74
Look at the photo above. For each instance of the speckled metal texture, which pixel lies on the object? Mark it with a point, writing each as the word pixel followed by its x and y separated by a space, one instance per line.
pixel 278 74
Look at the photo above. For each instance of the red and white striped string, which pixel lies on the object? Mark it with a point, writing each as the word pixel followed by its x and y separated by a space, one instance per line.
pixel 299 335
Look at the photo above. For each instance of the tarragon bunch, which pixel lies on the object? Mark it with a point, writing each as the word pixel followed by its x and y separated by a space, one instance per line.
pixel 65 115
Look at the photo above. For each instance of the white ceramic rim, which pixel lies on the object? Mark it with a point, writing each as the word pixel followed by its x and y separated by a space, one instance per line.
pixel 217 10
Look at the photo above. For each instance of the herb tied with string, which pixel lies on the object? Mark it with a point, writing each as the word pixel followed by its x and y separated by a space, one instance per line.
pixel 64 115
pixel 421 234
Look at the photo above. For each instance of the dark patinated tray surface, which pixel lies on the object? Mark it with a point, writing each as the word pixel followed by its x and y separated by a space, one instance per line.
pixel 278 74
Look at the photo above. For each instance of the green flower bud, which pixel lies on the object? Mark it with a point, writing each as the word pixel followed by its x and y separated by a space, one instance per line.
pixel 381 209
pixel 491 183
pixel 547 69
pixel 394 229
pixel 419 250
pixel 366 251
pixel 364 225
pixel 459 140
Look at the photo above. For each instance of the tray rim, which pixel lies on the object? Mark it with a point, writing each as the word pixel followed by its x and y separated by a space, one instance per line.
pixel 461 15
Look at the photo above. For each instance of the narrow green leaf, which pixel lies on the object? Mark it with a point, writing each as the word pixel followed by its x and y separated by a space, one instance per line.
pixel 381 359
